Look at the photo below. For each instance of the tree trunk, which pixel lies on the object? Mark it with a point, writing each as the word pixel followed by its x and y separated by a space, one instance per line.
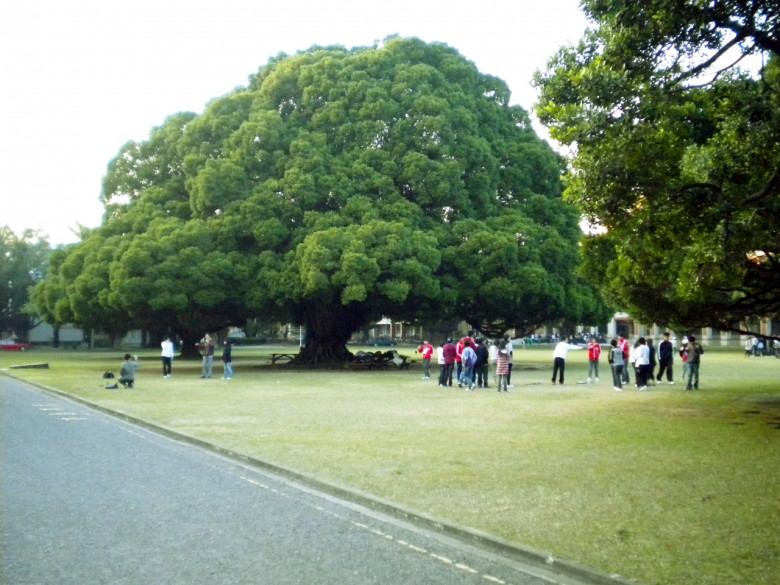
pixel 328 329
pixel 323 353
pixel 188 343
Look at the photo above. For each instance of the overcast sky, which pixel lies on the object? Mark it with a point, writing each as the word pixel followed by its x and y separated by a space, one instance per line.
pixel 82 77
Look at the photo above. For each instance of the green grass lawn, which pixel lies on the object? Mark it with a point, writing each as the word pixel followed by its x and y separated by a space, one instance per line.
pixel 664 487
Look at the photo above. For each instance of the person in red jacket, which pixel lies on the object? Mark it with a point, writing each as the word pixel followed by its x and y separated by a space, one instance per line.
pixel 459 345
pixel 623 344
pixel 426 350
pixel 445 379
pixel 594 351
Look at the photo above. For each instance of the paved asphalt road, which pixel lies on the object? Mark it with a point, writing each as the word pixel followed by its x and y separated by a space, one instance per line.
pixel 90 499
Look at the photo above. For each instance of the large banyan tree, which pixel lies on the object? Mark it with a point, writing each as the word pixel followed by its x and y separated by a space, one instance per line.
pixel 340 186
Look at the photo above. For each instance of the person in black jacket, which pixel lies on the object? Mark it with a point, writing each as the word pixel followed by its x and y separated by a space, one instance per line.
pixel 665 359
pixel 653 362
pixel 227 359
pixel 481 367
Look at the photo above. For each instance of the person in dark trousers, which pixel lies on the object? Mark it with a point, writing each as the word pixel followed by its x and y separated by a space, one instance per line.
pixel 483 356
pixel 653 362
pixel 167 356
pixel 617 362
pixel 559 359
pixel 665 359
pixel 445 379
pixel 642 363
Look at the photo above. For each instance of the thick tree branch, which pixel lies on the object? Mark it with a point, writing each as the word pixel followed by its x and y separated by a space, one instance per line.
pixel 702 67
pixel 771 187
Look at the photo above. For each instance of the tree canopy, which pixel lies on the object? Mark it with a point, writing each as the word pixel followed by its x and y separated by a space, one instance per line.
pixel 339 186
pixel 672 108
pixel 23 261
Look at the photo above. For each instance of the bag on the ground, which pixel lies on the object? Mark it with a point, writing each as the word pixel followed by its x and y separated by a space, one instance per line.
pixel 108 375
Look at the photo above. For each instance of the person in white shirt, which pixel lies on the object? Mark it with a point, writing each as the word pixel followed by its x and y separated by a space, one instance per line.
pixel 559 359
pixel 632 361
pixel 509 351
pixel 642 360
pixel 440 361
pixel 167 356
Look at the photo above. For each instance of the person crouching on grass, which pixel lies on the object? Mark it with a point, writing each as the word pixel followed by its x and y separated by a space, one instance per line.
pixel 127 370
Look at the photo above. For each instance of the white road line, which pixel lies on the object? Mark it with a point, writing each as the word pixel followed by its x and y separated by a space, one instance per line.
pixel 442 559
pixel 465 568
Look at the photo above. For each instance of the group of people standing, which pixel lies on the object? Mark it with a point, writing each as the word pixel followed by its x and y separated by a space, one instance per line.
pixel 205 347
pixel 644 358
pixel 466 362
pixel 759 346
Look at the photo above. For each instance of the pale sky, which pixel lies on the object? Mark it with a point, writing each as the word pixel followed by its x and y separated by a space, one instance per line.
pixel 82 77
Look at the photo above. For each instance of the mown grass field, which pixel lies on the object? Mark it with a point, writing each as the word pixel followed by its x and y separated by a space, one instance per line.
pixel 663 487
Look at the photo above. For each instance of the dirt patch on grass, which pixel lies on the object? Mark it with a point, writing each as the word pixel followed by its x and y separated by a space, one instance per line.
pixel 765 410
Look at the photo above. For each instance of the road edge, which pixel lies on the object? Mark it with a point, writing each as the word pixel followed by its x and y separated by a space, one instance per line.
pixel 535 558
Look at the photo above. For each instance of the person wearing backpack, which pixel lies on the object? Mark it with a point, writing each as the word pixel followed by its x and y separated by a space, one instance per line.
pixel 469 359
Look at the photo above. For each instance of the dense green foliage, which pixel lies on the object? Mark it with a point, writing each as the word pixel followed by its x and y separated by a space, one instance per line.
pixel 338 187
pixel 677 155
pixel 23 260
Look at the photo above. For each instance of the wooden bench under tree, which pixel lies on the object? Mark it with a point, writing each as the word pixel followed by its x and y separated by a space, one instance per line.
pixel 380 360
